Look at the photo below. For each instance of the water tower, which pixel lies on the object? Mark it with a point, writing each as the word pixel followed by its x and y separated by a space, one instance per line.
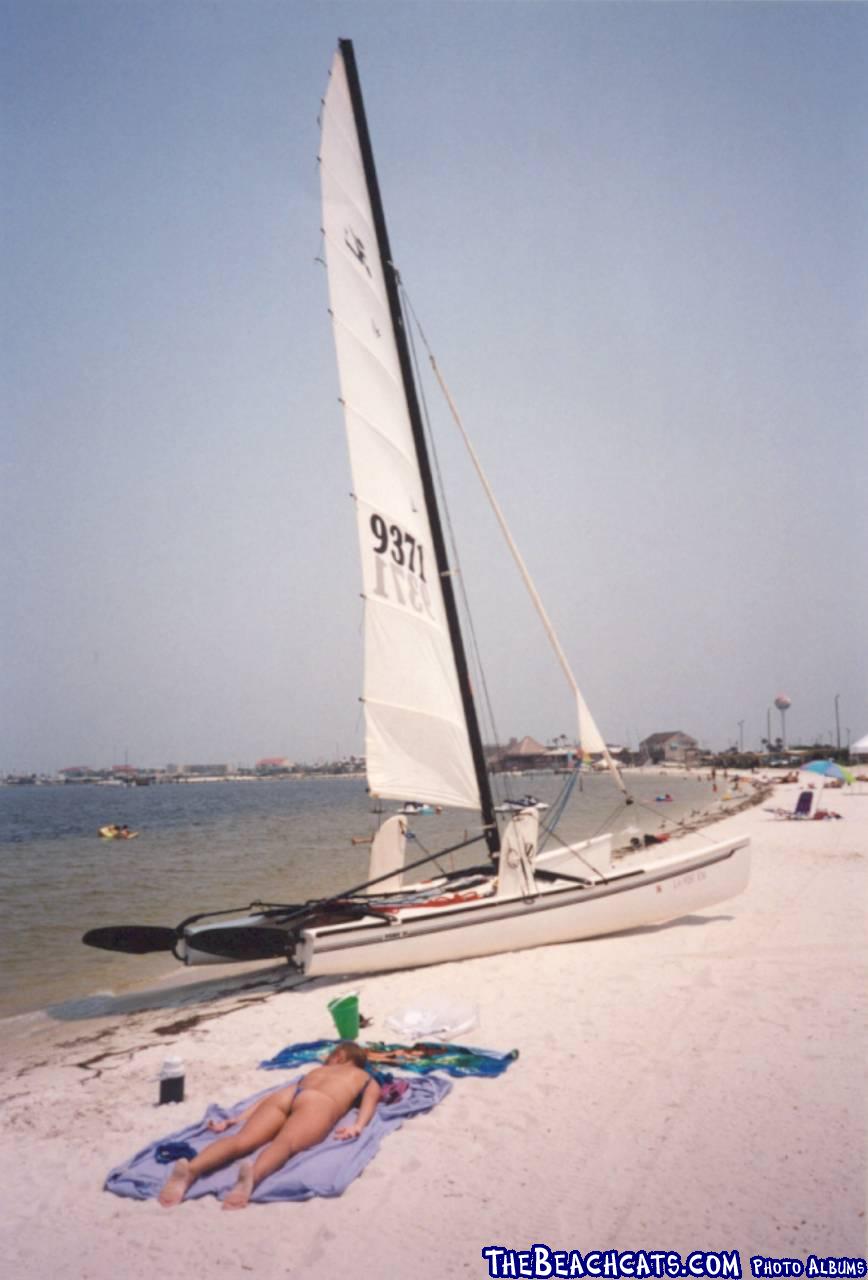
pixel 783 704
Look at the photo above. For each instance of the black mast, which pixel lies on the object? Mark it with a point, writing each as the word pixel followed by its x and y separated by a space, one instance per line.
pixel 390 275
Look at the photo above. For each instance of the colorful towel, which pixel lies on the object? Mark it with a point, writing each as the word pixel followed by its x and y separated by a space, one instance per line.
pixel 422 1058
pixel 325 1170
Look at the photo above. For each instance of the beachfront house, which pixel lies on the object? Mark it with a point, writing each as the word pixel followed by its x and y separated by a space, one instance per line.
pixel 272 767
pixel 671 747
pixel 520 757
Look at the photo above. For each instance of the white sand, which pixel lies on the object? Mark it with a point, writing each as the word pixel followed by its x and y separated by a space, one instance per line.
pixel 695 1086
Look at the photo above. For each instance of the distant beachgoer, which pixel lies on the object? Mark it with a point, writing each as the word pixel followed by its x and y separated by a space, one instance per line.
pixel 289 1120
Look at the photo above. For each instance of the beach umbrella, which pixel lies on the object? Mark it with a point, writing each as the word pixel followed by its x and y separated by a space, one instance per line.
pixel 829 769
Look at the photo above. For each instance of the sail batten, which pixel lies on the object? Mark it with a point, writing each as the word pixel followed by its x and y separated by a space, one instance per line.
pixel 417 742
pixel 372 426
pixel 371 350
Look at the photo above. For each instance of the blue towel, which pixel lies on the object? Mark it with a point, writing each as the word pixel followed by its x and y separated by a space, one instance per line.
pixel 324 1170
pixel 421 1058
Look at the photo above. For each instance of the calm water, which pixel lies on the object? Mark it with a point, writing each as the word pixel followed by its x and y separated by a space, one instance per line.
pixel 210 846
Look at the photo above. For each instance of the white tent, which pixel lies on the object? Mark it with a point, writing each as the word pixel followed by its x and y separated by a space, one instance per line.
pixel 860 748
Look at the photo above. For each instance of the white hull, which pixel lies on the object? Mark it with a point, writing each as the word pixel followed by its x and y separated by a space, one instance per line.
pixel 559 912
pixel 659 892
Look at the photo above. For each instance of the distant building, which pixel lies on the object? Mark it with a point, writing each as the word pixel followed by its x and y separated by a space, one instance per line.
pixel 81 773
pixel 205 770
pixel 272 764
pixel 520 755
pixel 671 747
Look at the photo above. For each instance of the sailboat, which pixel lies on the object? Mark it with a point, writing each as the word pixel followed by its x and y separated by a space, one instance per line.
pixel 422 731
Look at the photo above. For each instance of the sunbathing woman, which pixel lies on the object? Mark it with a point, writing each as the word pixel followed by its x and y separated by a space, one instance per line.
pixel 289 1120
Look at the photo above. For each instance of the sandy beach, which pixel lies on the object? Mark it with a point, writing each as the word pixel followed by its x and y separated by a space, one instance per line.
pixel 699 1085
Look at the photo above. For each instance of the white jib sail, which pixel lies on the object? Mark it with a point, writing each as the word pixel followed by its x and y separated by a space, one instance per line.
pixel 416 741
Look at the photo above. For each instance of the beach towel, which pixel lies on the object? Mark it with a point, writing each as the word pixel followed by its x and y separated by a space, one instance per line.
pixel 324 1170
pixel 421 1059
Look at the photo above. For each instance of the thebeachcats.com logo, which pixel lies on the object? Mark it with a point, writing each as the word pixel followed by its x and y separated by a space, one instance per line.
pixel 541 1262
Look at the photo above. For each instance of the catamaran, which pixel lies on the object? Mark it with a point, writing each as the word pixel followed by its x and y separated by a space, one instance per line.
pixel 422 730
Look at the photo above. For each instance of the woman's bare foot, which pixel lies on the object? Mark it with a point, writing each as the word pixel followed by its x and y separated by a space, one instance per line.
pixel 240 1194
pixel 176 1185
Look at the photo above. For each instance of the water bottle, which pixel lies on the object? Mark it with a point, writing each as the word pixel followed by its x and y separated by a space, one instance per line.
pixel 172 1081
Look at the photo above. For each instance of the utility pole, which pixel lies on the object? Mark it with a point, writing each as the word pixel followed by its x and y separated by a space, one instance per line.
pixel 837 722
pixel 741 737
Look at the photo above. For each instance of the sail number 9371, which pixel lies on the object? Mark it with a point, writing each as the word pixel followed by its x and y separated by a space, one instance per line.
pixel 399 566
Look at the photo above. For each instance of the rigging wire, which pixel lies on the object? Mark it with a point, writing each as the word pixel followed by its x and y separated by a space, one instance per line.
pixel 485 701
pixel 586 725
pixel 557 810
pixel 432 857
pixel 586 722
pixel 500 781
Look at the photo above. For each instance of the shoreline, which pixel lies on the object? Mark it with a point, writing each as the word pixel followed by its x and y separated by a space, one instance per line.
pixel 694 1084
pixel 181 780
pixel 135 991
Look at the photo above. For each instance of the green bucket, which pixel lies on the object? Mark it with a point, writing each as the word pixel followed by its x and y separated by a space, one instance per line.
pixel 345 1015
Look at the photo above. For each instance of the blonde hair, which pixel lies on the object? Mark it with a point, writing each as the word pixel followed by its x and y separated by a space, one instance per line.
pixel 353 1052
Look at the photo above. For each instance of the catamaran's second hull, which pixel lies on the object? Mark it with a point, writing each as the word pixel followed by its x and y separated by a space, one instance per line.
pixel 562 913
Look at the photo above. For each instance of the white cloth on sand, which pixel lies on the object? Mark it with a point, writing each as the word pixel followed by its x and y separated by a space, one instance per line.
pixel 435 1019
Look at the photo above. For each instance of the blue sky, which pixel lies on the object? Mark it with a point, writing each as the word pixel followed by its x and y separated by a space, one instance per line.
pixel 636 238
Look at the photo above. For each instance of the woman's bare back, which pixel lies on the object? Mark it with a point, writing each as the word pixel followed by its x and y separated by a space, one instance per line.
pixel 342 1083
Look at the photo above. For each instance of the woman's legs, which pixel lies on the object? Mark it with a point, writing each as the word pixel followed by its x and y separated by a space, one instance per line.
pixel 311 1119
pixel 264 1124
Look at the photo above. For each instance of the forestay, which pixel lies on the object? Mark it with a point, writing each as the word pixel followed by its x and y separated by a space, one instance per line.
pixel 417 745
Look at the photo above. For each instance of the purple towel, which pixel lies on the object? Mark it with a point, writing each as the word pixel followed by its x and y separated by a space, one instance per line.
pixel 324 1170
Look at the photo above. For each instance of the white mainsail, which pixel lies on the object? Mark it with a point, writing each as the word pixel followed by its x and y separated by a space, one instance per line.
pixel 416 741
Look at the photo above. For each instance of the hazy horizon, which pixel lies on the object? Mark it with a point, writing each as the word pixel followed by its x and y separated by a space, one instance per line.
pixel 635 236
pixel 235 763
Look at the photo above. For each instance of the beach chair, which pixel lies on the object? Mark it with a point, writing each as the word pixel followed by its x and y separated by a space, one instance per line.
pixel 802 809
pixel 804 804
